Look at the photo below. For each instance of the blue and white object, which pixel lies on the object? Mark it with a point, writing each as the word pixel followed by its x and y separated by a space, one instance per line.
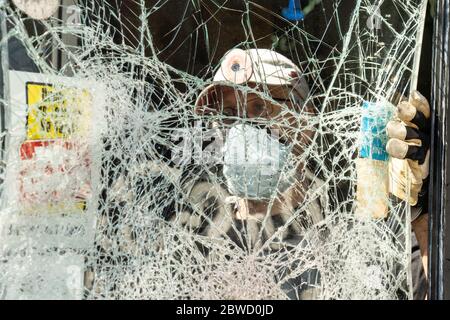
pixel 293 12
pixel 372 168
pixel 373 136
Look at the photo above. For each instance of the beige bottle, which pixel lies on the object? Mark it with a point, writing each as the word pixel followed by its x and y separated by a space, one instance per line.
pixel 372 166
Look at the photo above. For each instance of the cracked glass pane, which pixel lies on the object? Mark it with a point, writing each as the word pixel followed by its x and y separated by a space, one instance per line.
pixel 205 149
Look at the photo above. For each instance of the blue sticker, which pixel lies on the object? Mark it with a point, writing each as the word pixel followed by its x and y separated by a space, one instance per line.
pixel 375 117
pixel 293 12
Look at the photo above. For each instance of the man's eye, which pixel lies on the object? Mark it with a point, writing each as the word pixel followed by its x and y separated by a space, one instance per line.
pixel 228 111
pixel 259 110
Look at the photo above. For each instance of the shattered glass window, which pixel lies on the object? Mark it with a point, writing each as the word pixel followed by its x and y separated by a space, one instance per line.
pixel 204 149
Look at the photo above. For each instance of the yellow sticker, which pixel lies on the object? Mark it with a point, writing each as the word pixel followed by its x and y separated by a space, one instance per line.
pixel 56 113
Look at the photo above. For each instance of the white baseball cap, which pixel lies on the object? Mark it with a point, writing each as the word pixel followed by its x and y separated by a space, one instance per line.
pixel 262 67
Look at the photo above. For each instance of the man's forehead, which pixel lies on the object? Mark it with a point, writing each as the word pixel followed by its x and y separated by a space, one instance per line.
pixel 250 92
pixel 216 96
pixel 237 92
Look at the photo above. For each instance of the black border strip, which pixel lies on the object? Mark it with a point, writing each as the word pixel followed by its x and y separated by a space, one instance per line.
pixel 439 201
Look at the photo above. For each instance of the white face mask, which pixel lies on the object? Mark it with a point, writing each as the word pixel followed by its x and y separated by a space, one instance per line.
pixel 254 163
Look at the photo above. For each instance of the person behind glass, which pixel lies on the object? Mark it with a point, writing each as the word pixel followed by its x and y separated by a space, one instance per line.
pixel 261 97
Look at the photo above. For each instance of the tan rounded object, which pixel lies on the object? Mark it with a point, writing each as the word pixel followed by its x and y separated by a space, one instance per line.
pixel 421 103
pixel 406 111
pixel 397 148
pixel 405 180
pixel 236 67
pixel 396 129
pixel 372 190
pixel 38 9
pixel 425 166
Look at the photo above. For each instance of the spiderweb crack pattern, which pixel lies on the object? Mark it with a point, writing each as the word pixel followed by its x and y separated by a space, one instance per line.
pixel 167 229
